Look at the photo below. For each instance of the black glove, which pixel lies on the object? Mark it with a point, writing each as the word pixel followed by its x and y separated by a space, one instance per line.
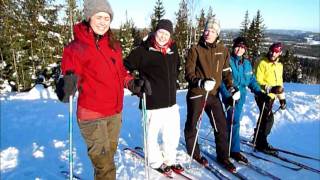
pixel 140 86
pixel 233 91
pixel 66 86
pixel 277 90
pixel 283 104
pixel 230 101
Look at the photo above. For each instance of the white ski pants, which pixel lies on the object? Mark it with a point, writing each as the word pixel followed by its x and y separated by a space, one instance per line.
pixel 164 122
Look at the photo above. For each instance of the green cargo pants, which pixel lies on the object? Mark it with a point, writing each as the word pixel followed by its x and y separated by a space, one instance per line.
pixel 101 136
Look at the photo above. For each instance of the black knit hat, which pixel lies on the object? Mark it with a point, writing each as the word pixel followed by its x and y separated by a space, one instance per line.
pixel 165 24
pixel 239 41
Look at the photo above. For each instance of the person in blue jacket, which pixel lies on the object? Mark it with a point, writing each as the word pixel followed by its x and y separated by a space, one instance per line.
pixel 243 77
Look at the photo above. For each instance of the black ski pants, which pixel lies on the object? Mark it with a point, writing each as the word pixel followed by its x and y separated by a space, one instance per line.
pixel 213 109
pixel 265 124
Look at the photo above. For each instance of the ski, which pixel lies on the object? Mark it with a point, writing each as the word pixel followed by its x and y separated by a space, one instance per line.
pixel 141 157
pixel 287 152
pixel 287 160
pixel 271 161
pixel 214 170
pixel 258 169
pixel 212 157
pixel 183 174
pixel 296 154
pixel 261 171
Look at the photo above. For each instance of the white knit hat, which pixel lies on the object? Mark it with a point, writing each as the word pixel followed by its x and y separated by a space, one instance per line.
pixel 91 7
pixel 213 23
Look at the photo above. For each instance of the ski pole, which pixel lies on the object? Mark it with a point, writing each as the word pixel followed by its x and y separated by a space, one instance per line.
pixel 145 135
pixel 227 109
pixel 258 125
pixel 231 125
pixel 199 125
pixel 276 110
pixel 70 138
pixel 214 122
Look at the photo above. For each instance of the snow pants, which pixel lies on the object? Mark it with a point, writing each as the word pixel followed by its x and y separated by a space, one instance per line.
pixel 213 109
pixel 266 123
pixel 101 136
pixel 164 122
pixel 235 141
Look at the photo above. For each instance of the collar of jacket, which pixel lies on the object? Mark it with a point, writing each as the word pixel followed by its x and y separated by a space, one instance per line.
pixel 148 44
pixel 168 50
pixel 274 62
pixel 84 33
pixel 205 45
pixel 237 59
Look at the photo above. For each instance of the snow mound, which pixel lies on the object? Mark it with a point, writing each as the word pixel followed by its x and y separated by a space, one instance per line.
pixel 37 151
pixel 58 144
pixel 9 159
pixel 38 92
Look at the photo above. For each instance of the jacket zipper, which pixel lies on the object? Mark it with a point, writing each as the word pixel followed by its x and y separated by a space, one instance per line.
pixel 117 92
pixel 275 74
pixel 168 71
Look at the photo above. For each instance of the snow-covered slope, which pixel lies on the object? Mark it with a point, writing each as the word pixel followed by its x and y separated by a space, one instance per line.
pixel 34 136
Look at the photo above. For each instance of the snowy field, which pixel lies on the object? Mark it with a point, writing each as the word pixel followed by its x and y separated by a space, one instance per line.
pixel 34 137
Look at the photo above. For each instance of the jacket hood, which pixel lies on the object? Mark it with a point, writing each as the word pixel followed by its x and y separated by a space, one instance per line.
pixel 84 33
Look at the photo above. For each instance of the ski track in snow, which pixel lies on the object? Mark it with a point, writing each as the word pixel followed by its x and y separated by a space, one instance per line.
pixel 34 136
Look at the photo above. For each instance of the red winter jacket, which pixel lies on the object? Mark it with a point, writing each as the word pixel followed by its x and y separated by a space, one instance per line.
pixel 100 71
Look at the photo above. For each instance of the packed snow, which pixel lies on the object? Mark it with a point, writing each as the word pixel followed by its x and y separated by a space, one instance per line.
pixel 34 137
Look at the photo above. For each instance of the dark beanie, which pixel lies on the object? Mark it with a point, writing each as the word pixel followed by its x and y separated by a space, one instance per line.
pixel 165 24
pixel 91 7
pixel 239 41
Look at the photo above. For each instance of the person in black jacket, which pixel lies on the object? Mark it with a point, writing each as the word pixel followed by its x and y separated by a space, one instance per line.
pixel 157 61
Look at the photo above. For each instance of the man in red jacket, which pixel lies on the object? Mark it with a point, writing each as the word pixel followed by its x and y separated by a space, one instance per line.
pixel 92 64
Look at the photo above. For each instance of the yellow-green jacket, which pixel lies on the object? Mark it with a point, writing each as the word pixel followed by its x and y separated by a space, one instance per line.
pixel 269 74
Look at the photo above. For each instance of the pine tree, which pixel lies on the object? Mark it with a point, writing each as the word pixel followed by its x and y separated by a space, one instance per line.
pixel 8 42
pixel 244 30
pixel 259 34
pixel 291 64
pixel 251 37
pixel 255 37
pixel 201 23
pixel 29 41
pixel 192 35
pixel 157 15
pixel 136 34
pixel 125 36
pixel 73 15
pixel 43 43
pixel 210 13
pixel 181 36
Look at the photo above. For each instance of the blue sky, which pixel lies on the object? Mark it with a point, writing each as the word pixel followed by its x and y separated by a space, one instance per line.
pixel 277 14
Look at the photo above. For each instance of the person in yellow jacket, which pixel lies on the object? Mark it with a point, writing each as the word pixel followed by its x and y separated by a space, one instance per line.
pixel 269 76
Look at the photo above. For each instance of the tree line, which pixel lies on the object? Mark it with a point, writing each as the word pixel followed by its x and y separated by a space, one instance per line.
pixel 33 37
